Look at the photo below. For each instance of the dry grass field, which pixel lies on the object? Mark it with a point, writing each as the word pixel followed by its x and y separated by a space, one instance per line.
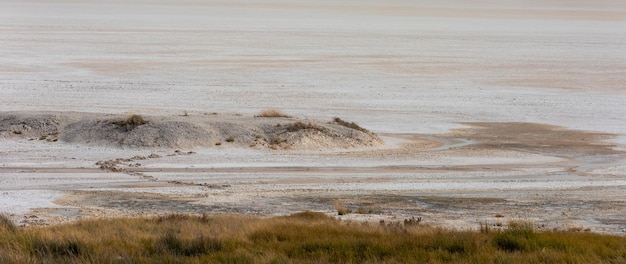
pixel 300 238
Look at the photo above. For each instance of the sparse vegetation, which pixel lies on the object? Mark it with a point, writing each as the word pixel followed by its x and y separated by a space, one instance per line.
pixel 362 210
pixel 341 210
pixel 301 238
pixel 6 223
pixel 272 113
pixel 413 221
pixel 297 126
pixel 350 125
pixel 129 123
pixel 230 139
pixel 277 141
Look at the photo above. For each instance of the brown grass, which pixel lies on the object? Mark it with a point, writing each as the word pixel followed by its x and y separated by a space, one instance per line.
pixel 272 113
pixel 129 123
pixel 297 126
pixel 301 238
pixel 350 125
pixel 341 210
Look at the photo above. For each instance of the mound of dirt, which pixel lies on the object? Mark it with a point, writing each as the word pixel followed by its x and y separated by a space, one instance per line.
pixel 186 131
pixel 41 126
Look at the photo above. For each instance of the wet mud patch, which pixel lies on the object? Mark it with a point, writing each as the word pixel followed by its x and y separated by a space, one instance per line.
pixel 537 138
pixel 614 220
pixel 447 202
pixel 392 204
pixel 126 203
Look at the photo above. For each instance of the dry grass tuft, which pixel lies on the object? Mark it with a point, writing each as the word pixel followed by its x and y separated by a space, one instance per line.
pixel 272 113
pixel 297 126
pixel 6 223
pixel 350 125
pixel 129 123
pixel 341 210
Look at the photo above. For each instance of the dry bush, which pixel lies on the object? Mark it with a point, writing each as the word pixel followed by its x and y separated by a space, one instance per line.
pixel 277 141
pixel 412 221
pixel 350 125
pixel 272 113
pixel 129 123
pixel 341 210
pixel 297 126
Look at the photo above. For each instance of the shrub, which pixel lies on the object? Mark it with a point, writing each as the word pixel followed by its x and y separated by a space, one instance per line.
pixel 341 210
pixel 297 126
pixel 277 141
pixel 352 125
pixel 130 122
pixel 271 113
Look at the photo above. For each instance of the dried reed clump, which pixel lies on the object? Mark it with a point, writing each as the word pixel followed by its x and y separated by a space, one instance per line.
pixel 6 223
pixel 297 126
pixel 352 125
pixel 272 113
pixel 129 123
pixel 341 210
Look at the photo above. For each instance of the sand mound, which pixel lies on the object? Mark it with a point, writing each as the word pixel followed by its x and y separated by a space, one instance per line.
pixel 42 126
pixel 186 131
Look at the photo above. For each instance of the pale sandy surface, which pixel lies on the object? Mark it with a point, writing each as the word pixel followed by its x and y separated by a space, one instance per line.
pixel 408 70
